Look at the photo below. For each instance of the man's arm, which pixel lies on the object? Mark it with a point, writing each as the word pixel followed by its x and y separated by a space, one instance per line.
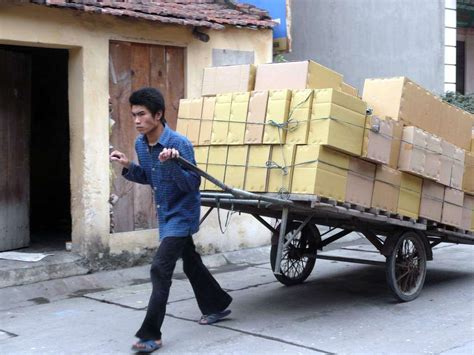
pixel 130 171
pixel 186 180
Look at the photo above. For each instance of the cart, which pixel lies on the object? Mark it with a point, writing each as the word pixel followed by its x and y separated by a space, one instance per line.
pixel 406 243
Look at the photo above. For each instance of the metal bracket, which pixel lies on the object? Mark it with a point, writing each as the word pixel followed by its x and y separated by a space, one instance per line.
pixel 284 223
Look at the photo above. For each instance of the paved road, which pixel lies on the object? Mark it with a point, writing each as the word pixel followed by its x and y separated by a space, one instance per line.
pixel 343 308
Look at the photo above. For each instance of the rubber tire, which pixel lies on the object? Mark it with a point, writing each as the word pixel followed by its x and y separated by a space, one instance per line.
pixel 390 267
pixel 307 233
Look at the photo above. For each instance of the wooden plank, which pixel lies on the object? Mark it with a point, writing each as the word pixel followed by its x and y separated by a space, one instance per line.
pixel 15 116
pixel 174 83
pixel 123 132
pixel 144 206
pixel 158 69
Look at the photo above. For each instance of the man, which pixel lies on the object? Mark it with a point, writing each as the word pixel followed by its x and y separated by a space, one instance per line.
pixel 177 199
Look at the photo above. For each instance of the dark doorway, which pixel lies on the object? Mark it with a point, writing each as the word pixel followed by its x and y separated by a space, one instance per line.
pixel 50 211
pixel 460 66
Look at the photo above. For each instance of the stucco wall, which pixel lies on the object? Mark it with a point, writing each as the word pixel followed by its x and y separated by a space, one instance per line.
pixel 87 37
pixel 372 38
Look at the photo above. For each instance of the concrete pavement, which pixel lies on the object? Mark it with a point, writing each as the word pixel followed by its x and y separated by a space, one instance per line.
pixel 343 308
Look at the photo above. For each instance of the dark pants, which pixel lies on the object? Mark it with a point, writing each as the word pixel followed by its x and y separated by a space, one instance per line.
pixel 211 298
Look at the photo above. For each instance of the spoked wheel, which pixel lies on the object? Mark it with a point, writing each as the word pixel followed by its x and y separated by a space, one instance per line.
pixel 298 257
pixel 406 267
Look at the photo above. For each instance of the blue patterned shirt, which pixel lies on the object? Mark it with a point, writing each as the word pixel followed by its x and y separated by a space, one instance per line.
pixel 177 197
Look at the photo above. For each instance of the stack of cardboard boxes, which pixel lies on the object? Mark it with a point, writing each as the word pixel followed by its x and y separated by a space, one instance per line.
pixel 298 127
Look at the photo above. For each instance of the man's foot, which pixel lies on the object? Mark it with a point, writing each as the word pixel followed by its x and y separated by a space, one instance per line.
pixel 147 346
pixel 208 319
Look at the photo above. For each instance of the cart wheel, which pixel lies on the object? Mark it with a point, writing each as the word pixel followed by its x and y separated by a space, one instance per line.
pixel 298 257
pixel 406 267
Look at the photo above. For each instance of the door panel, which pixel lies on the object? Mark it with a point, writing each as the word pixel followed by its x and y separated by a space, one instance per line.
pixel 15 87
pixel 132 66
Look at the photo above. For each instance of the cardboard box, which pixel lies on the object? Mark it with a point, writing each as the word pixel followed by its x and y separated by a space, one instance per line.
pixel 378 137
pixel 281 168
pixel 406 101
pixel 386 189
pixel 447 162
pixel 277 113
pixel 457 173
pixel 332 96
pixel 432 196
pixel 189 119
pixel 220 125
pixel 336 127
pixel 348 89
pixel 468 180
pixel 433 157
pixel 453 207
pixel 410 196
pixel 360 182
pixel 396 144
pixel 205 131
pixel 468 213
pixel 320 171
pixel 256 117
pixel 238 118
pixel 256 177
pixel 228 79
pixel 190 108
pixel 216 163
pixel 200 155
pixel 413 151
pixel 472 143
pixel 296 75
pixel 298 118
pixel 236 166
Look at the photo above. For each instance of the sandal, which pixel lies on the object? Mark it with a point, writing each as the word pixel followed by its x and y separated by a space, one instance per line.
pixel 208 319
pixel 146 346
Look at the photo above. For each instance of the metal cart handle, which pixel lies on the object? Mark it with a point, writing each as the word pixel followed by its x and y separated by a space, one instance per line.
pixel 235 192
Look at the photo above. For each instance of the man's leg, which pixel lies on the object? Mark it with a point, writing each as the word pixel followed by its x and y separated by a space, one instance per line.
pixel 164 262
pixel 211 298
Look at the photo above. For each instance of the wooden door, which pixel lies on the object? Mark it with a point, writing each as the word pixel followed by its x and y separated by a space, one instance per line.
pixel 15 86
pixel 133 66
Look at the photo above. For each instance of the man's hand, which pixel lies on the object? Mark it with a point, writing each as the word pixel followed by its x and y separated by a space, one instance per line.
pixel 120 158
pixel 168 153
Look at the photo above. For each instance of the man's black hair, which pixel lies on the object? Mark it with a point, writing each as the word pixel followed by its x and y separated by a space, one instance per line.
pixel 152 99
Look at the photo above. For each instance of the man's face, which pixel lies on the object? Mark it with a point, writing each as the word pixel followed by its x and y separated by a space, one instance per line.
pixel 144 120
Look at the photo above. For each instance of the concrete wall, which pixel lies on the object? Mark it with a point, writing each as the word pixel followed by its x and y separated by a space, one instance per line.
pixel 87 37
pixel 372 38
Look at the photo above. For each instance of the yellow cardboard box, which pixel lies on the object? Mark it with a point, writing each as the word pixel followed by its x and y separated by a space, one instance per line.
pixel 348 89
pixel 216 163
pixel 386 189
pixel 256 117
pixel 321 171
pixel 298 118
pixel 205 131
pixel 410 195
pixel 413 151
pixel 296 75
pixel 220 125
pixel 337 127
pixel 332 96
pixel 200 155
pixel 189 118
pixel 238 117
pixel 277 113
pixel 256 177
pixel 236 166
pixel 281 169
